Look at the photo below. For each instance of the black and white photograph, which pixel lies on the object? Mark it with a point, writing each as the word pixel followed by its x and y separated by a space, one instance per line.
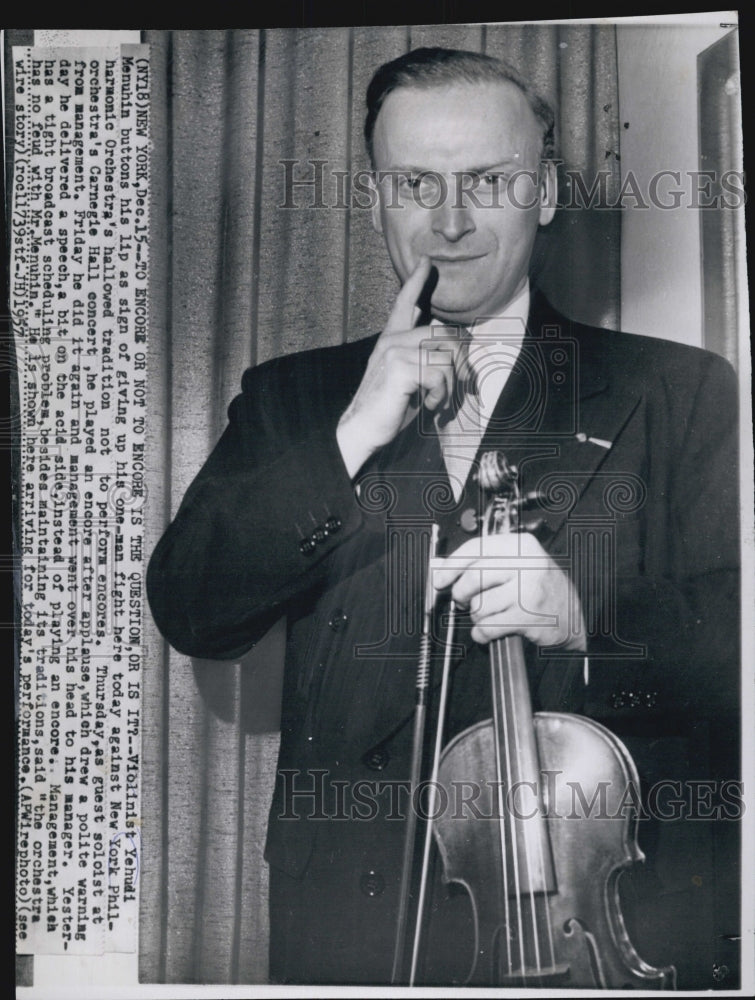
pixel 381 450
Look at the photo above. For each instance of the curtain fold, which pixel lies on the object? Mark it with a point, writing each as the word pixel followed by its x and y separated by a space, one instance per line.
pixel 720 124
pixel 238 278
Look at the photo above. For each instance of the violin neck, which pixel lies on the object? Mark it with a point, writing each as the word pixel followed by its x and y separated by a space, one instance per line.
pixel 518 764
pixel 513 707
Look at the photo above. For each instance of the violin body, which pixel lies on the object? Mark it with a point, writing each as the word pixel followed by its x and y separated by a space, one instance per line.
pixel 544 826
pixel 558 925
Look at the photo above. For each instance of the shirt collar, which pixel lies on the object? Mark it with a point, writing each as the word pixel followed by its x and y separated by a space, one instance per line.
pixel 511 321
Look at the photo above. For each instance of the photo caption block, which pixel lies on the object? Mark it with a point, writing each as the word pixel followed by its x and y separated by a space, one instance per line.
pixel 79 262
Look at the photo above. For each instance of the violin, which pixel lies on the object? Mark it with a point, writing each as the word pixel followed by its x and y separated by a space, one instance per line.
pixel 540 861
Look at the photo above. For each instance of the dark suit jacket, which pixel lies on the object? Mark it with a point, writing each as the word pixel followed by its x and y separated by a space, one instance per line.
pixel 631 443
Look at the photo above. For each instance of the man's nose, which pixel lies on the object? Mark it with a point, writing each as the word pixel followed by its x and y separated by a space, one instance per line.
pixel 453 220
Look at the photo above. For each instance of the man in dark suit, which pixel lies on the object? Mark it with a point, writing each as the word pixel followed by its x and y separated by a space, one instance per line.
pixel 318 503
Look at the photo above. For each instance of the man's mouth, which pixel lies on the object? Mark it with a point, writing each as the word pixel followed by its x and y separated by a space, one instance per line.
pixel 455 259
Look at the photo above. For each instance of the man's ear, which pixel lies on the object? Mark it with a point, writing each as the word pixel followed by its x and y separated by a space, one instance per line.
pixel 372 187
pixel 548 191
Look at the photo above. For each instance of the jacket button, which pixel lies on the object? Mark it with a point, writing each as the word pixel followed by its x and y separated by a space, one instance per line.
pixel 337 620
pixel 376 759
pixel 332 525
pixel 306 546
pixel 372 883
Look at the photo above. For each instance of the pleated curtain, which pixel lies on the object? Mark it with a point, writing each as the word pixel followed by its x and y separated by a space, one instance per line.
pixel 236 279
pixel 720 152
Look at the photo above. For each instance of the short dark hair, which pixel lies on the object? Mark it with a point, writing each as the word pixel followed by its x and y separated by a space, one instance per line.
pixel 433 67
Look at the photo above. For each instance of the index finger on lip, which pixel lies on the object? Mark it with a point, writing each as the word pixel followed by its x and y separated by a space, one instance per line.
pixel 405 311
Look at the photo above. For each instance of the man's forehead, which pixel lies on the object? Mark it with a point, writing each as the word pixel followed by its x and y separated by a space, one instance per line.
pixel 486 118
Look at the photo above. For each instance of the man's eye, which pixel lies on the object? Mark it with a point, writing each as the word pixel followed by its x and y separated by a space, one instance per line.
pixel 494 180
pixel 411 183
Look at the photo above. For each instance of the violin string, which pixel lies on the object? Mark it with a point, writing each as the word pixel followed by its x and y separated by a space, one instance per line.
pixel 514 647
pixel 525 838
pixel 498 677
pixel 490 528
pixel 506 678
pixel 546 906
pixel 505 727
pixel 501 814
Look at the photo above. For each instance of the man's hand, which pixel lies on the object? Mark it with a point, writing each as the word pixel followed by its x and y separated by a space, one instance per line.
pixel 397 380
pixel 511 585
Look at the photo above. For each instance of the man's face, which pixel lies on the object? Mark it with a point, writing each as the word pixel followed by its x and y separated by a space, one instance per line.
pixel 462 184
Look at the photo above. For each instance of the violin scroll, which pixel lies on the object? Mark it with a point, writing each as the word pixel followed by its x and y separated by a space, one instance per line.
pixel 505 508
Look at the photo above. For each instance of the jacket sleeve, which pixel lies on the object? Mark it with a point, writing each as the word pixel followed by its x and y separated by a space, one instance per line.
pixel 256 524
pixel 683 606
